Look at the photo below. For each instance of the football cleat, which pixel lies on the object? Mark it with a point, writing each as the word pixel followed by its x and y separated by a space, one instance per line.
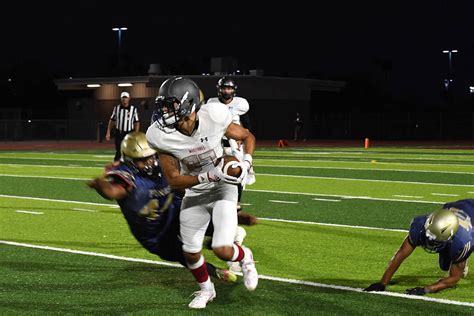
pixel 234 266
pixel 249 271
pixel 226 275
pixel 202 297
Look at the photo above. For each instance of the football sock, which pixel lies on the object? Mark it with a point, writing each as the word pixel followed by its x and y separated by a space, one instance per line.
pixel 238 253
pixel 199 270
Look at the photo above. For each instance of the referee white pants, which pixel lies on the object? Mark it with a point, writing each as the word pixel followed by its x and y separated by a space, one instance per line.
pixel 220 204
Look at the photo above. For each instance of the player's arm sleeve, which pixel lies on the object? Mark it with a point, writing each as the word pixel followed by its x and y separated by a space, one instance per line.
pixel 115 185
pixel 414 232
pixel 220 115
pixel 464 253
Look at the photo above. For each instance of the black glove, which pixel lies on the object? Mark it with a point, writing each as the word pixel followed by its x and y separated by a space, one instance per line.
pixel 377 286
pixel 416 291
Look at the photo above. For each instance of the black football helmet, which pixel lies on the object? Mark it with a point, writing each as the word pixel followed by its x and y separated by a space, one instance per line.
pixel 177 98
pixel 226 82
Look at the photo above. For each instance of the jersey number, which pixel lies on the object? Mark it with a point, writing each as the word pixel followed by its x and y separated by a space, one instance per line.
pixel 195 163
pixel 464 219
pixel 152 209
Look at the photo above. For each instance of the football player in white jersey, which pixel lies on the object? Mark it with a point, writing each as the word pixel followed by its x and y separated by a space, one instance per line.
pixel 188 140
pixel 238 107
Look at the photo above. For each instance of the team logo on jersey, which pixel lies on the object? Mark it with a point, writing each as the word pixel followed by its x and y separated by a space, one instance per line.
pixel 200 148
pixel 204 139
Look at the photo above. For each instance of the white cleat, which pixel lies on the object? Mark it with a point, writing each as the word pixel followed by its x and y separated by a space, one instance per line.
pixel 202 297
pixel 249 271
pixel 234 266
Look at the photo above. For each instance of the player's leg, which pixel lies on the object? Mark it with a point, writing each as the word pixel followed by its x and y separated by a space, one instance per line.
pixel 224 217
pixel 194 219
pixel 118 140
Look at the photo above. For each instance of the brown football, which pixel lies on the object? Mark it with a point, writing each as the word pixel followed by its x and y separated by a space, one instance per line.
pixel 234 172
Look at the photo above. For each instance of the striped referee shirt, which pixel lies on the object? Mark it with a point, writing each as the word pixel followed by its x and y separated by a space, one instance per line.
pixel 125 118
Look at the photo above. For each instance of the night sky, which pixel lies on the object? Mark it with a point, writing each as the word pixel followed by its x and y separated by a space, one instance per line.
pixel 342 40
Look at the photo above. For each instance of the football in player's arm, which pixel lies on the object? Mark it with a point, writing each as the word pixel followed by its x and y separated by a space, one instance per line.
pixel 449 233
pixel 146 201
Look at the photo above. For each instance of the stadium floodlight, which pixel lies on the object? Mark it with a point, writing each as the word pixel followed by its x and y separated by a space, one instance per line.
pixel 119 31
pixel 471 89
pixel 94 85
pixel 450 53
pixel 125 84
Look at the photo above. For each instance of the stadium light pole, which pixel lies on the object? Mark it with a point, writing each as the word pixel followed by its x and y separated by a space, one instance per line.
pixel 119 30
pixel 450 58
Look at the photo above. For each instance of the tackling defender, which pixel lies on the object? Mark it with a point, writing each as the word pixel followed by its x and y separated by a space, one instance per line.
pixel 145 199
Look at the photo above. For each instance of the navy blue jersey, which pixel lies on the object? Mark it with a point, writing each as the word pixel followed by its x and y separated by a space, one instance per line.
pixel 460 247
pixel 151 211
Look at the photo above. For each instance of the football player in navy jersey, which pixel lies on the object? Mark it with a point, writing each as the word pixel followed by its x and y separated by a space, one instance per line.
pixel 447 232
pixel 146 201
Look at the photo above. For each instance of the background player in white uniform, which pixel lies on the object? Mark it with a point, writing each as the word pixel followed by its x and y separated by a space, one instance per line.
pixel 189 145
pixel 239 108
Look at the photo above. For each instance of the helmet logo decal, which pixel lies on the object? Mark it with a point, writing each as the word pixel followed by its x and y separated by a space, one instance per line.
pixel 185 96
pixel 444 229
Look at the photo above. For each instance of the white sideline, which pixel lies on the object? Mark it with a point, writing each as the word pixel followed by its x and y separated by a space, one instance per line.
pixel 332 225
pixel 264 277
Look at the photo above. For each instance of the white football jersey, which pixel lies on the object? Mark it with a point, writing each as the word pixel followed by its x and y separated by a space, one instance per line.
pixel 196 153
pixel 237 107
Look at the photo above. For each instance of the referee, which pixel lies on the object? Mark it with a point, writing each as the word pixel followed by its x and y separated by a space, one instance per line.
pixel 125 120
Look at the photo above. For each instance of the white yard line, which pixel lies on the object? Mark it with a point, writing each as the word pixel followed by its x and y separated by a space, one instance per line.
pixel 365 180
pixel 42 177
pixel 362 169
pixel 327 200
pixel 444 194
pixel 264 277
pixel 84 210
pixel 343 196
pixel 48 166
pixel 48 158
pixel 284 202
pixel 365 162
pixel 29 212
pixel 408 196
pixel 332 225
pixel 280 175
pixel 263 218
pixel 53 200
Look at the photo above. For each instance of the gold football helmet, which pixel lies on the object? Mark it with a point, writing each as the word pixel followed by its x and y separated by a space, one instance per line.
pixel 135 148
pixel 440 226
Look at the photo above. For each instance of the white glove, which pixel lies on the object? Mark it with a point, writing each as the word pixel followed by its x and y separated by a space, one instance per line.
pixel 216 175
pixel 245 166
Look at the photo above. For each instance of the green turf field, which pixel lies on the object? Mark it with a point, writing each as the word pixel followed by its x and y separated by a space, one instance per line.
pixel 330 219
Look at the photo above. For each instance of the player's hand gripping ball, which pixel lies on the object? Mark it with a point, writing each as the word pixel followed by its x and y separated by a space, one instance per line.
pixel 230 166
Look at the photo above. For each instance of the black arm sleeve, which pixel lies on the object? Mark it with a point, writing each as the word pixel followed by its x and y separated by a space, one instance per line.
pixel 245 121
